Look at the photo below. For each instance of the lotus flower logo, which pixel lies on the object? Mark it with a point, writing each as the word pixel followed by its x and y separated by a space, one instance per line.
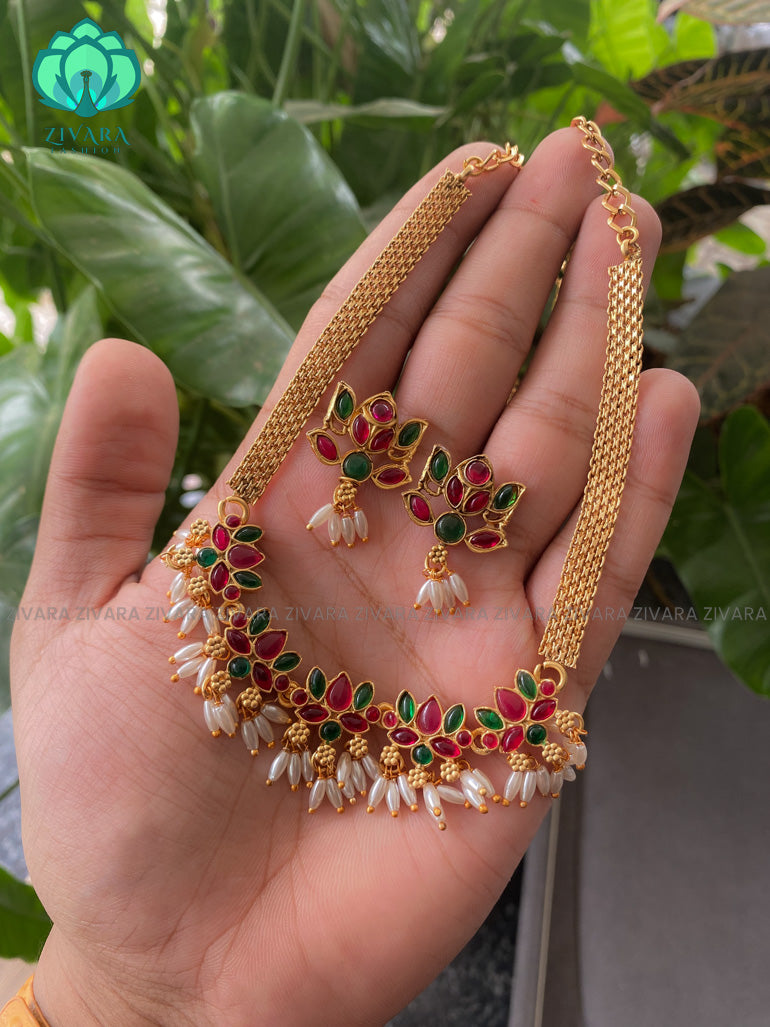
pixel 86 71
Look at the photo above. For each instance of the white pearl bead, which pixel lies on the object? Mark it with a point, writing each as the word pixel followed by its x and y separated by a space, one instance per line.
pixel 513 785
pixel 362 525
pixel 335 527
pixel 436 593
pixel 210 622
pixel 557 780
pixel 250 735
pixel 569 773
pixel 348 531
pixel 317 793
pixel 528 785
pixel 205 669
pixel 543 780
pixel 370 766
pixel 449 596
pixel 484 781
pixel 227 715
pixel 178 587
pixel 307 766
pixel 321 516
pixel 344 763
pixel 189 668
pixel 295 769
pixel 190 619
pixel 432 801
pixel 276 714
pixel 334 793
pixel 358 776
pixel 377 791
pixel 188 652
pixel 451 794
pixel 278 765
pixel 180 609
pixel 423 596
pixel 393 797
pixel 264 728
pixel 458 587
pixel 212 723
pixel 408 794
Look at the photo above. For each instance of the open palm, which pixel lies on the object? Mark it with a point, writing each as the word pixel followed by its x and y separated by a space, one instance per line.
pixel 182 890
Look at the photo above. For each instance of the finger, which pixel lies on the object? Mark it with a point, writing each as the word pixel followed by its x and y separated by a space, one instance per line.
pixel 666 420
pixel 108 476
pixel 549 425
pixel 467 356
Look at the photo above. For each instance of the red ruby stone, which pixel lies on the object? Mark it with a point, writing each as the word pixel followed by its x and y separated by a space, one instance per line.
pixel 382 411
pixel 547 687
pixel 381 440
pixel 446 748
pixel 220 536
pixel 511 705
pixel 282 682
pixel 464 738
pixel 372 714
pixel 232 593
pixel 477 502
pixel 326 447
pixel 269 645
pixel 238 642
pixel 454 491
pixel 404 736
pixel 299 697
pixel 477 472
pixel 232 521
pixel 239 620
pixel 313 714
pixel 340 693
pixel 419 508
pixel 543 710
pixel 262 676
pixel 360 429
pixel 429 717
pixel 391 476
pixel 242 557
pixel 485 539
pixel 489 740
pixel 512 739
pixel 389 719
pixel 353 722
pixel 220 575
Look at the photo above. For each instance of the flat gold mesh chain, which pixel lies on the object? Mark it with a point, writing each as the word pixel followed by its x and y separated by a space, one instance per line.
pixel 343 333
pixel 614 430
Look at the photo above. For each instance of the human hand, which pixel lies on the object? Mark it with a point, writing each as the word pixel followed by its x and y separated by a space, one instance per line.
pixel 184 892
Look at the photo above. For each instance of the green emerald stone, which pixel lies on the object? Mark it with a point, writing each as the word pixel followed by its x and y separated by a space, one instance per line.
pixel 490 719
pixel 251 533
pixel 239 667
pixel 505 497
pixel 316 682
pixel 450 528
pixel 357 466
pixel 363 695
pixel 343 407
pixel 421 754
pixel 259 622
pixel 526 684
pixel 206 557
pixel 287 662
pixel 248 579
pixel 536 734
pixel 330 731
pixel 409 434
pixel 406 707
pixel 439 465
pixel 454 719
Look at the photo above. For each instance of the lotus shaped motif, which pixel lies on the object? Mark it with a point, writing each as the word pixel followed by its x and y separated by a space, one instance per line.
pixel 86 71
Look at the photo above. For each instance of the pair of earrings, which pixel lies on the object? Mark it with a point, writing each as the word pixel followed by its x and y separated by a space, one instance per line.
pixel 368 443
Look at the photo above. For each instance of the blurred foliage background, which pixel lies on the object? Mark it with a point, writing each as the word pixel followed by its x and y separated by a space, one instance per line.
pixel 268 136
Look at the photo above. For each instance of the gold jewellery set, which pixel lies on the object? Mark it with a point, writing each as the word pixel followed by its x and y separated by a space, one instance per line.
pixel 333 735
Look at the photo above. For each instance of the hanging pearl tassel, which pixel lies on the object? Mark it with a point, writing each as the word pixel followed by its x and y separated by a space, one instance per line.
pixel 543 780
pixel 408 794
pixel 335 529
pixel 423 596
pixel 295 770
pixel 393 798
pixel 348 531
pixel 459 588
pixel 178 588
pixel 362 525
pixel 205 669
pixel 359 777
pixel 512 786
pixel 377 793
pixel 250 736
pixel 557 780
pixel 189 620
pixel 188 652
pixel 317 793
pixel 227 716
pixel 528 786
pixel 210 622
pixel 277 767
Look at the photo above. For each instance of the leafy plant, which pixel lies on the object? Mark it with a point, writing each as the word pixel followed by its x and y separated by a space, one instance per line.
pixel 187 236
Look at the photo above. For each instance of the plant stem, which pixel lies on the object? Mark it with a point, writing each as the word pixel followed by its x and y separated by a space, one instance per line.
pixel 290 52
pixel 29 110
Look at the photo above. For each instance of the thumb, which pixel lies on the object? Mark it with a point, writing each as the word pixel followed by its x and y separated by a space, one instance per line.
pixel 110 469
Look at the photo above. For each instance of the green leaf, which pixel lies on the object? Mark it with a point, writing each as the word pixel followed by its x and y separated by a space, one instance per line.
pixel 24 924
pixel 170 290
pixel 257 163
pixel 724 348
pixel 625 36
pixel 719 542
pixel 312 112
pixel 720 12
pixel 742 238
pixel 706 210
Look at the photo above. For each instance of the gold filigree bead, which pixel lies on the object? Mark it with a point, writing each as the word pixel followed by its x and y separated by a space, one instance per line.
pixel 179 559
pixel 219 682
pixel 199 530
pixel 358 748
pixel 569 722
pixel 450 772
pixel 200 593
pixel 250 699
pixel 324 760
pixel 418 777
pixel 216 647
pixel 521 761
pixel 391 761
pixel 554 753
pixel 296 736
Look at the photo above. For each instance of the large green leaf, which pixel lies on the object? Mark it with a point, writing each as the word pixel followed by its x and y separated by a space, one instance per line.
pixel 174 293
pixel 33 388
pixel 288 217
pixel 724 349
pixel 24 924
pixel 704 210
pixel 719 541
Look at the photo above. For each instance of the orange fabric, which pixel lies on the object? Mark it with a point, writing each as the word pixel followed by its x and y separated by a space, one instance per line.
pixel 23 1010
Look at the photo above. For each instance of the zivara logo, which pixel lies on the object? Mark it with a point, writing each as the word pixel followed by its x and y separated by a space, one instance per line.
pixel 85 139
pixel 86 71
